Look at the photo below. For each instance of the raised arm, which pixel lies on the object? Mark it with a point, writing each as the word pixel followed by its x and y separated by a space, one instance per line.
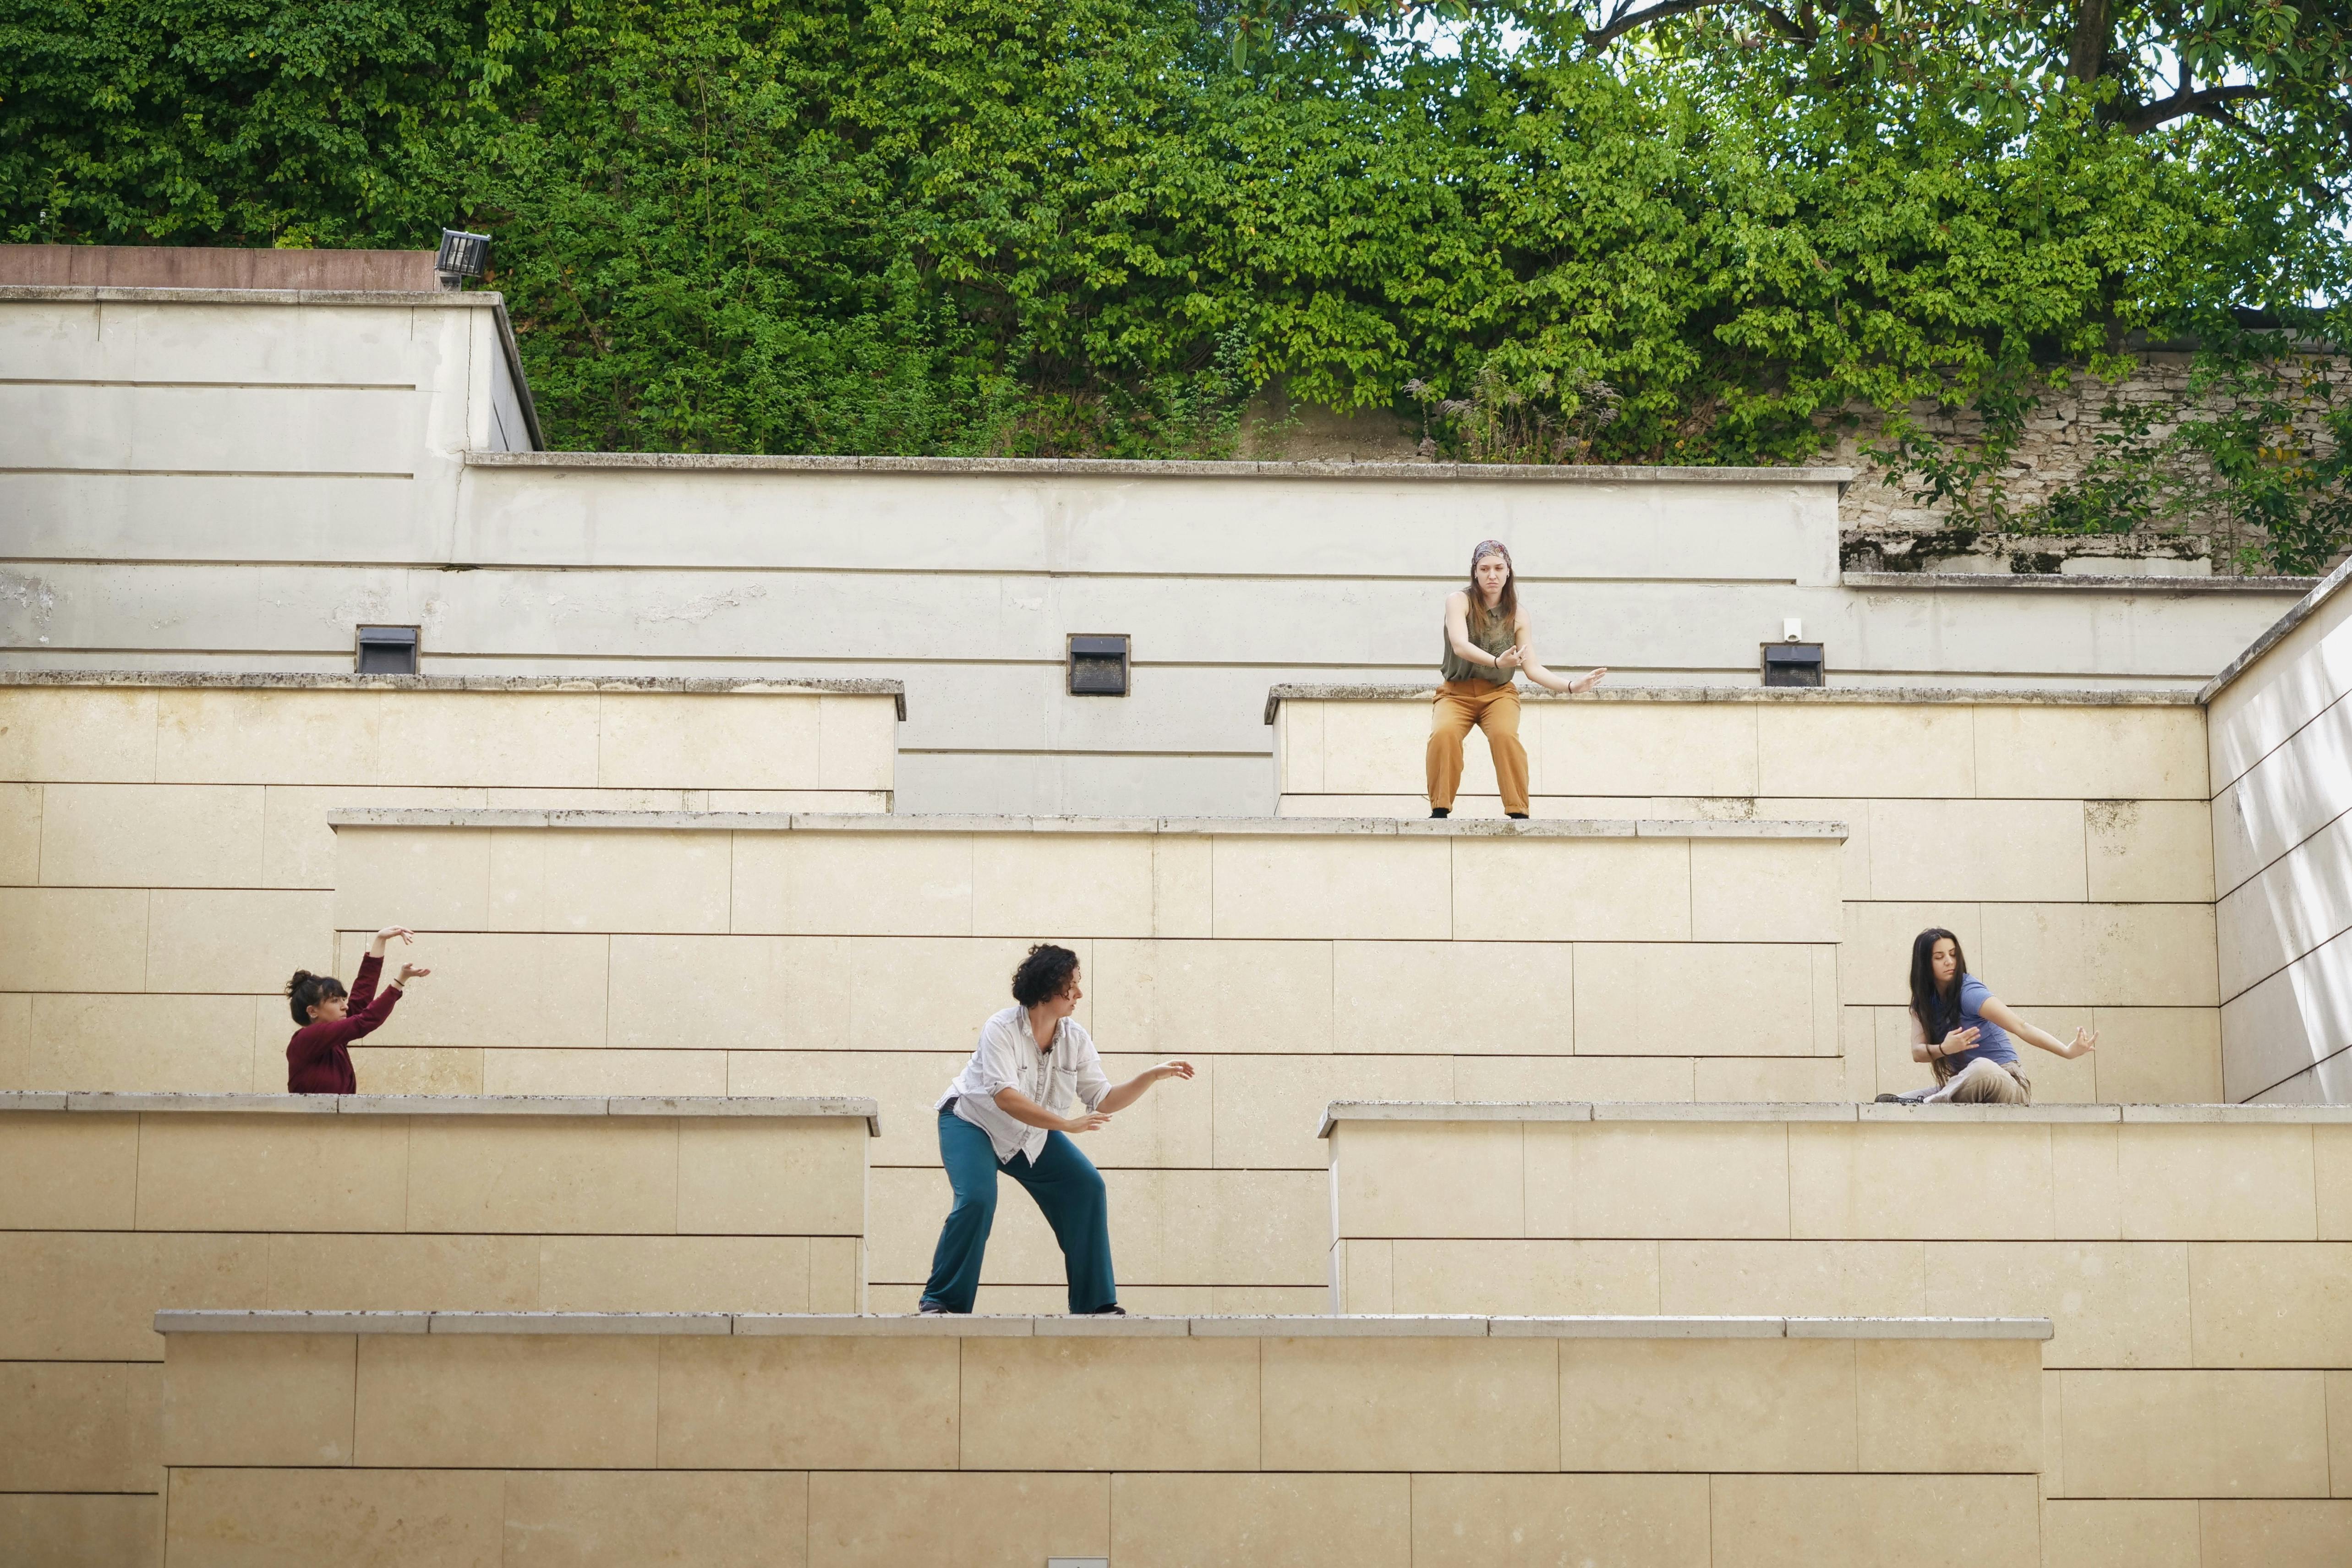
pixel 1952 1044
pixel 1457 637
pixel 1544 677
pixel 1999 1012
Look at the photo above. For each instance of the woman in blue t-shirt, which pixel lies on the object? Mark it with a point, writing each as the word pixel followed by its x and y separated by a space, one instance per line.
pixel 1964 1031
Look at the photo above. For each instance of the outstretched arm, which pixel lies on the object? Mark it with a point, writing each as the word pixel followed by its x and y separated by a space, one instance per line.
pixel 1125 1095
pixel 1029 1113
pixel 1544 677
pixel 2084 1039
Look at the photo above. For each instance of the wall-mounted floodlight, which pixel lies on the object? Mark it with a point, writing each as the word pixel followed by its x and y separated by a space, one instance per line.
pixel 1792 663
pixel 1097 665
pixel 387 651
pixel 463 255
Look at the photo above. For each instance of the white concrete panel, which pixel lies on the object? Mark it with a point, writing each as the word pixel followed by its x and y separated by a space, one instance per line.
pixel 2306 671
pixel 2301 901
pixel 211 429
pixel 218 516
pixel 2285 798
pixel 2299 1016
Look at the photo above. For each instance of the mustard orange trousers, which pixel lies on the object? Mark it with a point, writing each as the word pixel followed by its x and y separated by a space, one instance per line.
pixel 1493 707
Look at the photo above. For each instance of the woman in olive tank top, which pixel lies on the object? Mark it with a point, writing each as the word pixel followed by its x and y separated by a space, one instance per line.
pixel 1487 644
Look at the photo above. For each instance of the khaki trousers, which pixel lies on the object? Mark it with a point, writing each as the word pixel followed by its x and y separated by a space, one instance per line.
pixel 1983 1083
pixel 1493 707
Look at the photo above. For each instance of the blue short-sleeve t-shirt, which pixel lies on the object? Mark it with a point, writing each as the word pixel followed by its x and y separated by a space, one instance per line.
pixel 1993 1043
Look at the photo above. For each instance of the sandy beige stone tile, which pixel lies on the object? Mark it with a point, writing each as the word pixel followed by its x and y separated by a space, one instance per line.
pixel 1657 1178
pixel 836 1274
pixel 669 992
pixel 771 1175
pixel 1524 1521
pixel 1643 998
pixel 1706 1405
pixel 300 1519
pixel 1174 1124
pixel 860 736
pixel 927 993
pixel 1391 996
pixel 2195 1433
pixel 2271 1304
pixel 20 834
pixel 1180 997
pixel 536 1402
pixel 1920 1521
pixel 2149 851
pixel 792 1402
pixel 151 835
pixel 588 881
pixel 1874 958
pixel 85 734
pixel 15 1040
pixel 520 739
pixel 687 740
pixel 258 1399
pixel 2160 955
pixel 1268 1108
pixel 2339 1433
pixel 1967 1406
pixel 2119 1532
pixel 1861 1181
pixel 2158 1055
pixel 1299 743
pixel 246 943
pixel 1783 1079
pixel 73 940
pixel 434 1070
pixel 141 1043
pixel 1410 1404
pixel 706 1519
pixel 2015 850
pixel 1535 1279
pixel 1183 904
pixel 2296 1533
pixel 430 879
pixel 907 1085
pixel 1282 1301
pixel 1342 1521
pixel 67 1426
pixel 1853 855
pixel 1612 748
pixel 2087 1198
pixel 226 735
pixel 1182 1404
pixel 1318 888
pixel 597 1071
pixel 534 1174
pixel 1852 751
pixel 227 1172
pixel 993 1521
pixel 507 990
pixel 2113 1304
pixel 57 1530
pixel 67 1172
pixel 1803 1279
pixel 1455 1179
pixel 1569 890
pixel 1215 1227
pixel 1571 1078
pixel 2218 1181
pixel 401 1273
pixel 298 847
pixel 2331 1161
pixel 1765 890
pixel 855 884
pixel 2030 749
pixel 93 1296
pixel 1363 1276
pixel 826 801
pixel 1024 884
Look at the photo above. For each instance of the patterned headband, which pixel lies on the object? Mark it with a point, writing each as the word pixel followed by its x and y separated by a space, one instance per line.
pixel 1487 548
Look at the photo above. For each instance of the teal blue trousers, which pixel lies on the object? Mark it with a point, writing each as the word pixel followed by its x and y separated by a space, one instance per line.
pixel 1066 1187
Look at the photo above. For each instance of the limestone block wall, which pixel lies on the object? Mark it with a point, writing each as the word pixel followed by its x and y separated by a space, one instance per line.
pixel 2064 836
pixel 115 1206
pixel 2280 725
pixel 1293 962
pixel 2197 1389
pixel 165 862
pixel 1157 1442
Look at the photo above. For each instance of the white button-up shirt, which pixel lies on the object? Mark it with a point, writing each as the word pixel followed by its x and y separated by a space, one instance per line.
pixel 1007 1058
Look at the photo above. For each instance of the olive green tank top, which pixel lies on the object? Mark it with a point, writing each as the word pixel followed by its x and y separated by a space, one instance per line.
pixel 1495 637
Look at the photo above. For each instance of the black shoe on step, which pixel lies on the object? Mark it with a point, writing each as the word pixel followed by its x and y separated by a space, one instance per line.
pixel 1112 1311
pixel 1441 811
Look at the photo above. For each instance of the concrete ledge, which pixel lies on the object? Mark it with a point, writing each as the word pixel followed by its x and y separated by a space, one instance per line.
pixel 817 1325
pixel 1202 827
pixel 779 1106
pixel 1813 1111
pixel 1104 467
pixel 126 294
pixel 2055 582
pixel 1883 696
pixel 295 680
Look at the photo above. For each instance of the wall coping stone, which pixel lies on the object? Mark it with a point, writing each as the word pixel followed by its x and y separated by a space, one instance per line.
pixel 1205 827
pixel 1867 696
pixel 2055 582
pixel 1113 467
pixel 780 1107
pixel 389 298
pixel 2324 589
pixel 1340 1111
pixel 833 1325
pixel 300 680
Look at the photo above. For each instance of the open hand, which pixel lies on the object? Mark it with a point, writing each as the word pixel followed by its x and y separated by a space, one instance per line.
pixel 389 932
pixel 1510 659
pixel 411 972
pixel 2085 1041
pixel 1589 682
pixel 1960 1039
pixel 1169 1070
pixel 1086 1122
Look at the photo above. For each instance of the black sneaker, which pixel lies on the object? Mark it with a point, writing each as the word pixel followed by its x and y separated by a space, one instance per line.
pixel 1441 811
pixel 1520 816
pixel 1112 1311
pixel 1890 1099
pixel 934 1310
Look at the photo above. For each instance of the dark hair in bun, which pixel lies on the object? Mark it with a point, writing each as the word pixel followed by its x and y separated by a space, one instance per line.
pixel 306 991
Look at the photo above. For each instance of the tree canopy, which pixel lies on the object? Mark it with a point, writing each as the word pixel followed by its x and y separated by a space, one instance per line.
pixel 1636 230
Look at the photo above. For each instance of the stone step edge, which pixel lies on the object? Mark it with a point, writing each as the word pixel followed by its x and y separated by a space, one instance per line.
pixel 781 1107
pixel 1340 1111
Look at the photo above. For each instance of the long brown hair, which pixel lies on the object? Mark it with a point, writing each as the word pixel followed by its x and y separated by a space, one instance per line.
pixel 1506 605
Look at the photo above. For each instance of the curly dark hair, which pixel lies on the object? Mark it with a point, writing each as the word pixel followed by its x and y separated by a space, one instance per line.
pixel 1044 975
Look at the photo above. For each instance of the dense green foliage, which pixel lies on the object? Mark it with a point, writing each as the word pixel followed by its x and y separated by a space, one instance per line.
pixel 1700 233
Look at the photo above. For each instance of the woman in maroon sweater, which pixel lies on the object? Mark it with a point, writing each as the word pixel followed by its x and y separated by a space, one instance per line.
pixel 319 1057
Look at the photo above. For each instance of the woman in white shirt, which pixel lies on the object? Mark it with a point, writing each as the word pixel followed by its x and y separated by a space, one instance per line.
pixel 1005 1113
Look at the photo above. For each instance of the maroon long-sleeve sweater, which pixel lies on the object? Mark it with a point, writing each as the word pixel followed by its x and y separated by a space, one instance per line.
pixel 319 1057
